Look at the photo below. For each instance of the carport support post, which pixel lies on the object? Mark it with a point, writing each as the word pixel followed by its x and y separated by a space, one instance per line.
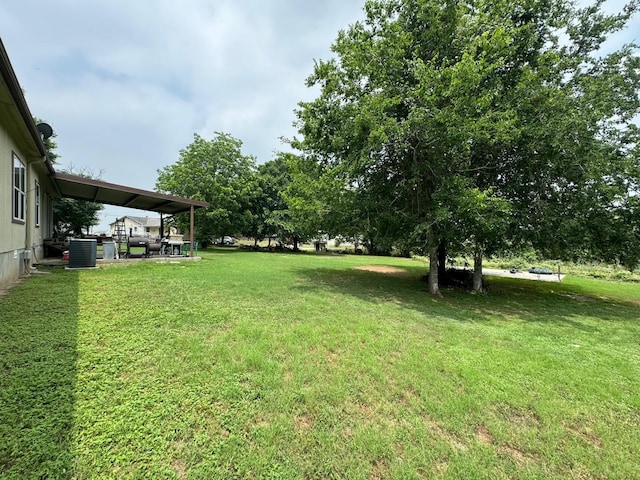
pixel 191 231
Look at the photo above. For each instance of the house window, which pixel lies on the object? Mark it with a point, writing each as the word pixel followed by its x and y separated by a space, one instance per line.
pixel 37 204
pixel 19 189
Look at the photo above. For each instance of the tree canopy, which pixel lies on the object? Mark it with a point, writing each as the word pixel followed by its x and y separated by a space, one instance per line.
pixel 74 217
pixel 482 125
pixel 217 172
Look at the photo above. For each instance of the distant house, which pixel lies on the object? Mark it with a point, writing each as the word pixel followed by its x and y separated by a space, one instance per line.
pixel 137 226
pixel 26 188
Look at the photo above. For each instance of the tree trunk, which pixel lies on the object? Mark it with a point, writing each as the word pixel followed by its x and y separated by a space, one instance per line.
pixel 434 288
pixel 442 259
pixel 295 244
pixel 371 247
pixel 477 269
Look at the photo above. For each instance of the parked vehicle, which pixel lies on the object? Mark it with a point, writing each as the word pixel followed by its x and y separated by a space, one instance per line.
pixel 226 240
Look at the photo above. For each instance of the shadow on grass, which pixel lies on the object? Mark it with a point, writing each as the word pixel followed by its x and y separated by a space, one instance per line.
pixel 38 320
pixel 222 249
pixel 528 300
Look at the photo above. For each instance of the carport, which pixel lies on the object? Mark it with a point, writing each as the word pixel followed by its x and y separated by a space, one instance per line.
pixel 97 191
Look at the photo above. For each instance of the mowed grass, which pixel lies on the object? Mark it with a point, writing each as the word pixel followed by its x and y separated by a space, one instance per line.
pixel 263 365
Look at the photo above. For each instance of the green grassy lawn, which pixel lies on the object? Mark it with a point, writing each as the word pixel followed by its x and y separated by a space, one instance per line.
pixel 267 365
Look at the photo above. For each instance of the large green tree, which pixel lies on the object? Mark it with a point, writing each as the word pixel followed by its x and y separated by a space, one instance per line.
pixel 511 98
pixel 274 177
pixel 293 198
pixel 296 199
pixel 218 172
pixel 306 198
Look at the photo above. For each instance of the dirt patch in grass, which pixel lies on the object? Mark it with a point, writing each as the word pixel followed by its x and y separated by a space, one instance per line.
pixel 332 358
pixel 483 435
pixel 303 422
pixel 584 433
pixel 518 418
pixel 449 437
pixel 408 396
pixel 380 269
pixel 440 468
pixel 261 422
pixel 180 468
pixel 379 470
pixel 366 410
pixel 518 455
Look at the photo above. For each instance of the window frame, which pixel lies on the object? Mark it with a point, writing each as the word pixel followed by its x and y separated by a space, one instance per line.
pixel 38 196
pixel 19 192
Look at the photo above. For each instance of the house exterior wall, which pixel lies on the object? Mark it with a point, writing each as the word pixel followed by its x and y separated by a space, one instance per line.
pixel 137 229
pixel 42 229
pixel 16 237
pixel 152 232
pixel 129 226
pixel 12 234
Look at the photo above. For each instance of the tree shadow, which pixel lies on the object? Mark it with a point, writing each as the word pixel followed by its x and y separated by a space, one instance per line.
pixel 38 351
pixel 548 301
pixel 529 300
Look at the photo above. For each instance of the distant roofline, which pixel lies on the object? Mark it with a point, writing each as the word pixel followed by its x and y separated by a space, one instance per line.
pixel 137 220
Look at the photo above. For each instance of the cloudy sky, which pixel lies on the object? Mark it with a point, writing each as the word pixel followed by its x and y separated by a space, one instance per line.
pixel 126 84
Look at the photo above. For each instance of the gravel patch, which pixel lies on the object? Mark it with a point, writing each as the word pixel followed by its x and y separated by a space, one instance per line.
pixel 492 272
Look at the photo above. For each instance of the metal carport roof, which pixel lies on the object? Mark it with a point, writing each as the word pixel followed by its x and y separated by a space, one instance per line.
pixel 83 188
